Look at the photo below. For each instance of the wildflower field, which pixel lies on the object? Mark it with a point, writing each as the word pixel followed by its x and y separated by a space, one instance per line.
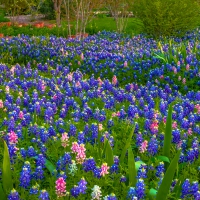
pixel 107 117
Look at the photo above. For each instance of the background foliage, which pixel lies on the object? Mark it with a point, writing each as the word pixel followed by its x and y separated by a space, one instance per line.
pixel 169 17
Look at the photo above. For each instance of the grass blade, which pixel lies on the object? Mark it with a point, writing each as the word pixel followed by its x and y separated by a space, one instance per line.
pixel 99 145
pixel 131 168
pixel 2 194
pixel 109 154
pixel 6 174
pixel 167 180
pixel 128 142
pixel 105 146
pixel 168 133
pixel 49 166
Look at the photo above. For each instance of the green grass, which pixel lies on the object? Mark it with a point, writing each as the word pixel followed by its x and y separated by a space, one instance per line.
pixel 2 16
pixel 134 26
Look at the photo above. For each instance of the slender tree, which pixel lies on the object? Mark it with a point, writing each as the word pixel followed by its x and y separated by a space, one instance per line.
pixel 120 10
pixel 57 9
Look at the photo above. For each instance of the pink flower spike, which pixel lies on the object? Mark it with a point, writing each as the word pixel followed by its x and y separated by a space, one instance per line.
pixel 125 64
pixel 189 131
pixel 143 146
pixel 161 77
pixel 174 125
pixel 21 115
pixel 12 137
pixel 187 67
pixel 82 56
pixel 114 80
pixel 75 147
pixel 81 154
pixel 104 169
pixel 65 140
pixel 60 187
pixel 184 81
pixel 100 81
pixel 100 127
pixel 1 103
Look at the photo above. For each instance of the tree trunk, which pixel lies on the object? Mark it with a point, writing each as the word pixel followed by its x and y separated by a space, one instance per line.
pixel 57 5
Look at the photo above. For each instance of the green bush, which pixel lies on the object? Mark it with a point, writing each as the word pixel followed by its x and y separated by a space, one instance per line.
pixel 2 16
pixel 47 9
pixel 167 17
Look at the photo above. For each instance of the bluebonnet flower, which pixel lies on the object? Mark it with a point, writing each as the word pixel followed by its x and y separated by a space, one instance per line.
pixel 139 139
pixel 190 157
pixel 34 189
pixel 62 174
pixel 94 131
pixel 122 179
pixel 160 180
pixel 176 136
pixel 197 195
pixel 131 193
pixel 140 189
pixel 89 164
pixel 39 173
pixel 114 169
pixel 194 187
pixel 152 146
pixel 25 178
pixel 40 160
pixel 186 188
pixel 75 191
pixel 174 182
pixel 43 195
pixel 31 151
pixel 14 195
pixel 97 172
pixel 160 169
pixel 72 130
pixel 142 171
pixel 110 197
pixel 82 186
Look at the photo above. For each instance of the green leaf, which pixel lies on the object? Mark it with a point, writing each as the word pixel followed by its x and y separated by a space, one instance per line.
pixel 99 145
pixel 152 193
pixel 128 142
pixel 167 180
pixel 2 193
pixel 131 168
pixel 137 164
pixel 163 158
pixel 49 166
pixel 109 154
pixel 168 133
pixel 115 147
pixel 6 173
pixel 105 146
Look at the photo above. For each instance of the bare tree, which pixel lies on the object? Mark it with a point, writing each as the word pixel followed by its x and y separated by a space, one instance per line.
pixel 120 10
pixel 57 7
pixel 84 12
pixel 67 12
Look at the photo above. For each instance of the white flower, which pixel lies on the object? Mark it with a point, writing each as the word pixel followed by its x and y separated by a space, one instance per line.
pixel 96 192
pixel 72 168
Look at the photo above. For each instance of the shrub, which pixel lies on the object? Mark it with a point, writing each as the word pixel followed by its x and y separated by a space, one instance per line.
pixel 168 17
pixel 47 9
